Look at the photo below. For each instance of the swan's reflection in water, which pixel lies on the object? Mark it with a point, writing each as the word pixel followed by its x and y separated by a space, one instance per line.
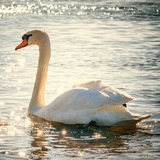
pixel 55 139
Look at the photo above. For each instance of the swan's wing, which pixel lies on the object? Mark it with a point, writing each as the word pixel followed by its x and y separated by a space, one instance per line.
pixel 81 98
pixel 75 106
pixel 90 85
pixel 81 105
pixel 116 95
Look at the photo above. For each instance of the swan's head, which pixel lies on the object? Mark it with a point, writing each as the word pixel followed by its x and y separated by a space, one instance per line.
pixel 33 37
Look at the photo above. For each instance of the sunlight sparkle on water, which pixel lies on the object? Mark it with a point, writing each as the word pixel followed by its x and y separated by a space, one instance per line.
pixel 64 132
pixel 40 132
pixel 11 131
pixel 22 153
pixel 81 153
pixel 12 113
pixel 17 118
pixel 1 103
pixel 28 123
pixel 97 135
pixel 6 152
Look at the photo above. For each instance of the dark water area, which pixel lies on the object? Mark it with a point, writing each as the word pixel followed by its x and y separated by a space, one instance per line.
pixel 115 41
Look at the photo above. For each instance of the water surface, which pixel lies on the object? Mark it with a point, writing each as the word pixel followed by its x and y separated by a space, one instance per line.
pixel 115 41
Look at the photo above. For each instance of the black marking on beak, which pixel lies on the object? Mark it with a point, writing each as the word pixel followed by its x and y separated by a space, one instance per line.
pixel 26 36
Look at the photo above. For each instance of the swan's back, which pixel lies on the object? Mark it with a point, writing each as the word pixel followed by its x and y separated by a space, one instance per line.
pixel 116 95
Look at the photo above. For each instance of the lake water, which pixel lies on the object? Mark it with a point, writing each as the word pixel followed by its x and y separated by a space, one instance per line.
pixel 115 41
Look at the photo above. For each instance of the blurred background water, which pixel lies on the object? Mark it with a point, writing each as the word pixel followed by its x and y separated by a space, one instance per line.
pixel 115 41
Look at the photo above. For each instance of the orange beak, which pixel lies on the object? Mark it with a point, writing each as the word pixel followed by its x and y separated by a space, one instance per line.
pixel 23 44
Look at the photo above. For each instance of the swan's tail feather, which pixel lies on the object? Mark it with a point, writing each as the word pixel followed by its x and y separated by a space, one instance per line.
pixel 133 122
pixel 141 118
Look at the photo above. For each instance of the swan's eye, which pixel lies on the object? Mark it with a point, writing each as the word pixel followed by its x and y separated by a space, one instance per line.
pixel 26 36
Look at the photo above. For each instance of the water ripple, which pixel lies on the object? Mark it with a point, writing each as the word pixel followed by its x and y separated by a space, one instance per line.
pixel 115 41
pixel 74 9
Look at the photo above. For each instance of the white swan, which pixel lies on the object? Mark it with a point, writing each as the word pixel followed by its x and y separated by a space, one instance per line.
pixel 84 103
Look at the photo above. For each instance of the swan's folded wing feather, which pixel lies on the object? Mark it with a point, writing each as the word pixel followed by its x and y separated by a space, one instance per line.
pixel 116 95
pixel 73 106
pixel 90 85
pixel 78 99
pixel 81 98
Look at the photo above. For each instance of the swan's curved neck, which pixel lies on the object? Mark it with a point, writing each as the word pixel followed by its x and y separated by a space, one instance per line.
pixel 38 99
